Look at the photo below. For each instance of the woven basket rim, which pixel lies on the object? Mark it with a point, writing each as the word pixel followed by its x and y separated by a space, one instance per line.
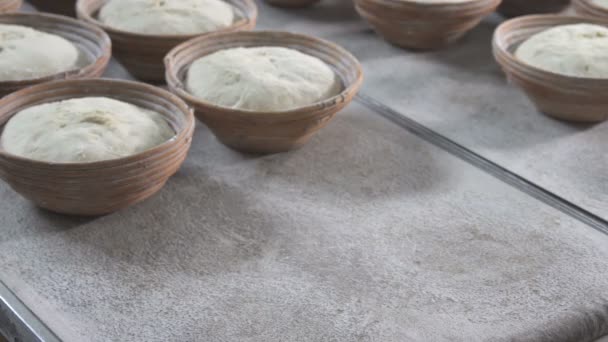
pixel 180 135
pixel 10 6
pixel 588 4
pixel 505 54
pixel 178 86
pixel 249 15
pixel 101 61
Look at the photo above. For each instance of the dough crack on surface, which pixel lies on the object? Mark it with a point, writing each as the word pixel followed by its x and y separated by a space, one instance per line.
pixel 268 79
pixel 167 17
pixel 84 130
pixel 26 53
pixel 579 50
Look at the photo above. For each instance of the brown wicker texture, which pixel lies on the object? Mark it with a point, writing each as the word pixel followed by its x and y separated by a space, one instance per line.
pixel 423 25
pixel 559 96
pixel 64 7
pixel 292 3
pixel 143 54
pixel 516 8
pixel 94 45
pixel 587 8
pixel 8 6
pixel 100 187
pixel 263 132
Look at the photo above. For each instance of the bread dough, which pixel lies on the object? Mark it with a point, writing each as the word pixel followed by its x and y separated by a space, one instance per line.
pixel 84 130
pixel 26 53
pixel 601 3
pixel 579 50
pixel 167 17
pixel 269 79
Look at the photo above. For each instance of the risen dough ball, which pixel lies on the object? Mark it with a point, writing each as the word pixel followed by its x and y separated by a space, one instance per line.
pixel 84 130
pixel 579 50
pixel 167 17
pixel 26 53
pixel 268 79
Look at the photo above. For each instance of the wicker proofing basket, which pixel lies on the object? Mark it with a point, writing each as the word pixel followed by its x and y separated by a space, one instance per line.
pixel 64 7
pixel 423 25
pixel 559 96
pixel 93 43
pixel 99 187
pixel 262 132
pixel 587 8
pixel 515 8
pixel 7 6
pixel 143 55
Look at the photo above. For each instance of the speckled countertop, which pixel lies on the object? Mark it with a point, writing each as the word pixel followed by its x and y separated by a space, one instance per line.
pixel 438 207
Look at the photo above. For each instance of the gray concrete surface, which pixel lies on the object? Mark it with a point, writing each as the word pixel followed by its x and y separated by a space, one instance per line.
pixel 461 93
pixel 366 234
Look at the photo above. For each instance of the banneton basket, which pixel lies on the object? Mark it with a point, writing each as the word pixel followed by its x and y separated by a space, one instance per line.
pixel 102 187
pixel 7 6
pixel 92 42
pixel 516 8
pixel 563 97
pixel 143 55
pixel 264 132
pixel 292 3
pixel 423 25
pixel 589 9
pixel 64 7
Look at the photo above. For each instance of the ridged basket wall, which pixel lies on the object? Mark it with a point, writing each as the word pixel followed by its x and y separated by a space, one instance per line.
pixel 143 55
pixel 423 25
pixel 587 8
pixel 100 187
pixel 562 97
pixel 7 6
pixel 92 42
pixel 263 132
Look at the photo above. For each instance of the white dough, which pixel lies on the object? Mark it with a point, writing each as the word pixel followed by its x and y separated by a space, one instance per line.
pixel 270 79
pixel 84 130
pixel 601 3
pixel 26 53
pixel 167 17
pixel 579 50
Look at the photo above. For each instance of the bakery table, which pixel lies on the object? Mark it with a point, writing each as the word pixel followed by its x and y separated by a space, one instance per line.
pixel 439 206
pixel 486 115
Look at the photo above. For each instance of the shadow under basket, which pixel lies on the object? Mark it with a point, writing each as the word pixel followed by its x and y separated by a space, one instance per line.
pixel 264 132
pixel 8 6
pixel 142 55
pixel 93 44
pixel 102 187
pixel 63 7
pixel 423 25
pixel 562 97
